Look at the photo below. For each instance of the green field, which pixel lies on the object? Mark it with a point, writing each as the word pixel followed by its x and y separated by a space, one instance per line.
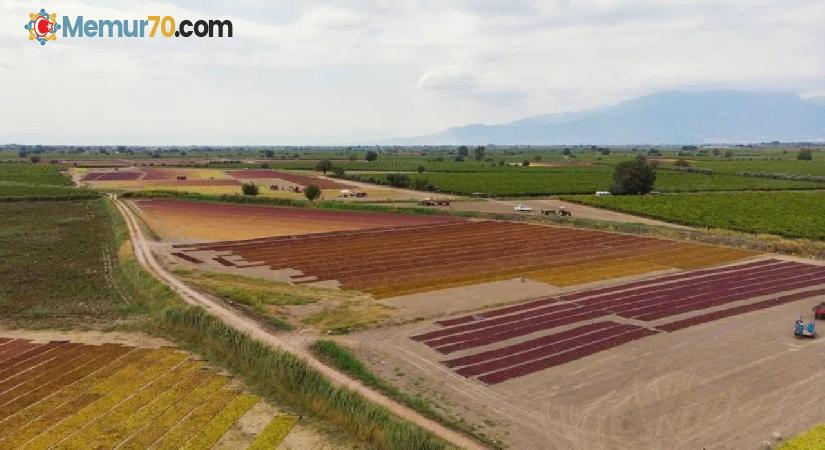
pixel 586 180
pixel 32 191
pixel 816 167
pixel 790 214
pixel 57 261
pixel 47 174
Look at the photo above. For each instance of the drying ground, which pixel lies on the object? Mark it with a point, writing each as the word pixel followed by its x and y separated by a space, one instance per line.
pixel 190 220
pixel 714 378
pixel 72 395
pixel 389 262
pixel 279 184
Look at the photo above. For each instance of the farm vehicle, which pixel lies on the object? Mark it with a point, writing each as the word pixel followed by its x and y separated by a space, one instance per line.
pixel 803 330
pixel 431 202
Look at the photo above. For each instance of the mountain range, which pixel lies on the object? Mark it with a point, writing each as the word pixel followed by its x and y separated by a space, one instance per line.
pixel 669 117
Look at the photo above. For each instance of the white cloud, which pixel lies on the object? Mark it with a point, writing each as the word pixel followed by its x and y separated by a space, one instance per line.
pixel 315 71
pixel 447 78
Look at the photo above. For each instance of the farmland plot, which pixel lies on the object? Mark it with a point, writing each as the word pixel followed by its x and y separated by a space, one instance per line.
pixel 419 258
pixel 666 303
pixel 175 219
pixel 70 395
pixel 790 214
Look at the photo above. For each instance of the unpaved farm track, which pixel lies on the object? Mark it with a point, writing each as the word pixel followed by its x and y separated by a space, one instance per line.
pixel 242 323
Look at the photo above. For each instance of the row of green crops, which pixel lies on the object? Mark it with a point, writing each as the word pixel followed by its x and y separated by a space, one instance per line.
pixel 586 180
pixel 45 174
pixel 790 214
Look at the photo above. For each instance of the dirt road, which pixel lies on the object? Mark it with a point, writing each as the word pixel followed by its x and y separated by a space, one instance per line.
pixel 296 346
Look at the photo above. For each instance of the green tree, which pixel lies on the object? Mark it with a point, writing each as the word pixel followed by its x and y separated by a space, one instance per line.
pixel 479 152
pixel 421 169
pixel 269 153
pixel 681 162
pixel 463 151
pixel 312 192
pixel 566 152
pixel 34 159
pixel 249 189
pixel 324 166
pixel 729 154
pixel 525 163
pixel 805 155
pixel 371 156
pixel 338 172
pixel 633 177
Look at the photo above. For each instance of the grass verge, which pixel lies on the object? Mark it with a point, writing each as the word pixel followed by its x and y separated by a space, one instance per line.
pixel 344 360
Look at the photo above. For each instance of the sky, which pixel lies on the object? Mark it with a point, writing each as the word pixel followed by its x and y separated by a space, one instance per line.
pixel 361 71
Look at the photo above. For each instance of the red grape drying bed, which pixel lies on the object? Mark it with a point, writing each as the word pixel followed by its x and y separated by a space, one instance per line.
pixel 646 300
pixel 112 176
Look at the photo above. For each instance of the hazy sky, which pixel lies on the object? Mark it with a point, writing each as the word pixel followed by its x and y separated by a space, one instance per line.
pixel 354 71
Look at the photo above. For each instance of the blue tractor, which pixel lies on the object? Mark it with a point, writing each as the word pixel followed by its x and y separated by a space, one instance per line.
pixel 802 330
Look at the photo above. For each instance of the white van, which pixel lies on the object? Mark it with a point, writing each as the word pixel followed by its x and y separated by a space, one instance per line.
pixel 602 193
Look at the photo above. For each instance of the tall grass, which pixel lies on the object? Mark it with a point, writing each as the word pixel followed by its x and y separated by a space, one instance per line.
pixel 345 361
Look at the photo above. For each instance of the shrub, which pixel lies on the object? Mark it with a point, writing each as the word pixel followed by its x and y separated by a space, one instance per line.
pixel 249 189
pixel 421 184
pixel 312 192
pixel 681 162
pixel 804 155
pixel 371 156
pixel 399 180
pixel 420 169
pixel 525 163
pixel 338 172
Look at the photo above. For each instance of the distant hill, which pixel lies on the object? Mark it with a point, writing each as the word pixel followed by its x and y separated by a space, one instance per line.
pixel 672 117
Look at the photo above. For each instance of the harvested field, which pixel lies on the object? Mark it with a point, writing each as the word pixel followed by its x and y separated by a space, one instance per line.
pixel 650 300
pixel 71 395
pixel 405 260
pixel 301 180
pixel 187 220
